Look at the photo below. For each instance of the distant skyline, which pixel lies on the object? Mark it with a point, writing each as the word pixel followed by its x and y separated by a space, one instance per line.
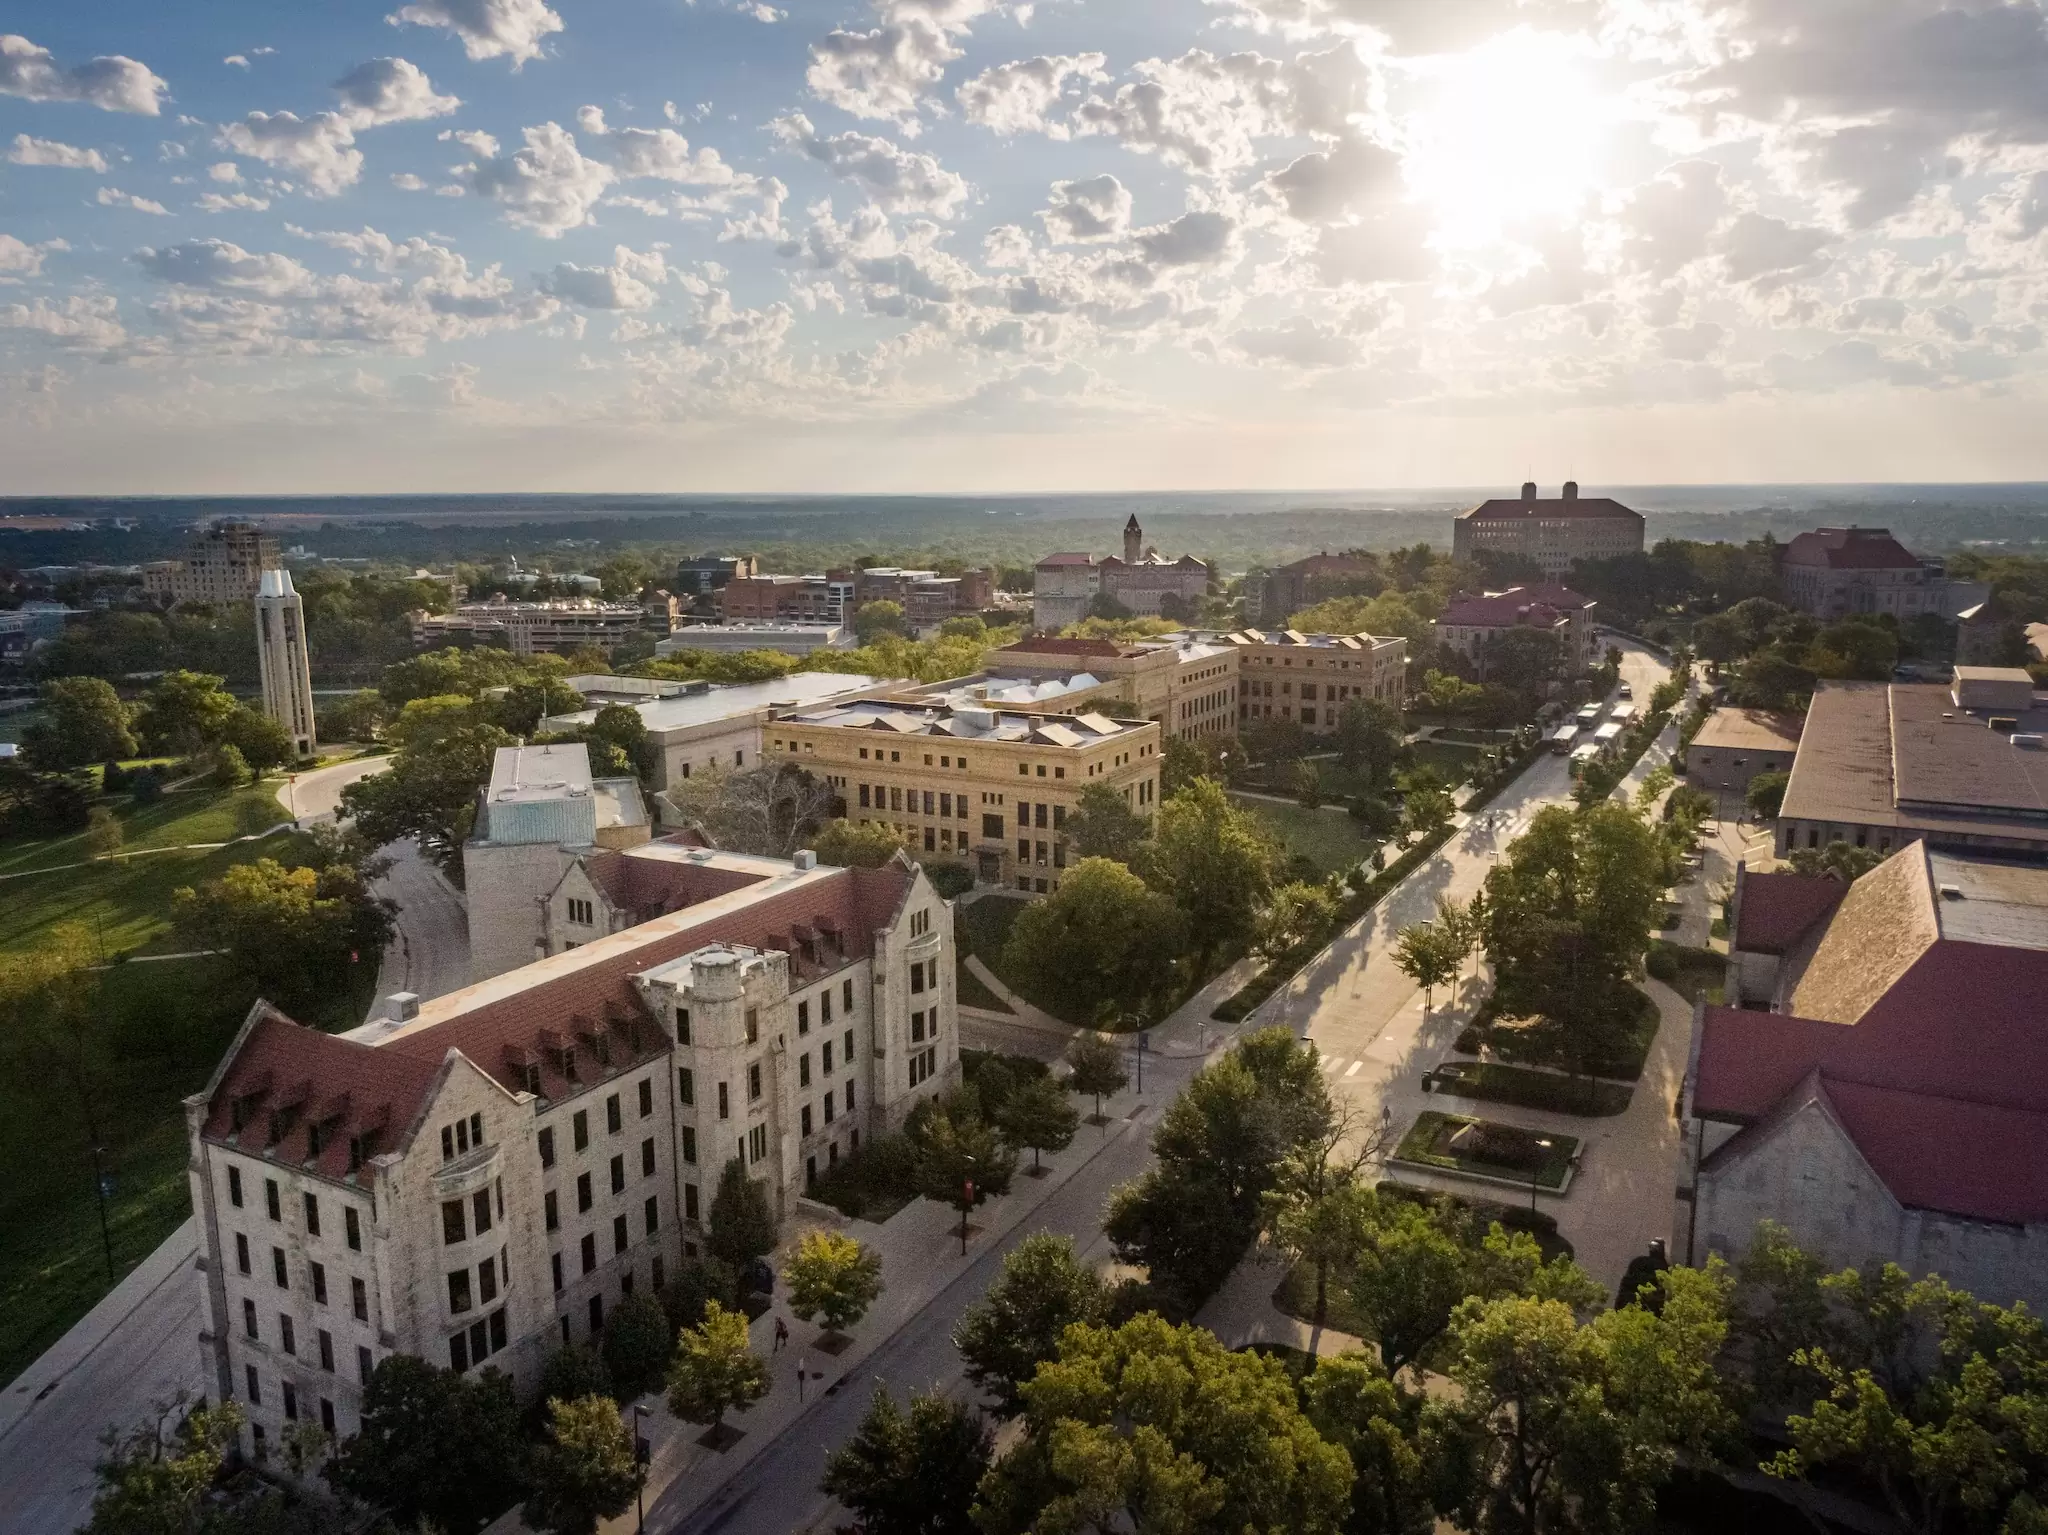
pixel 997 247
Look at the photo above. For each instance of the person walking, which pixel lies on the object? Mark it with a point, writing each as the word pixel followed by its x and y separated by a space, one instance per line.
pixel 781 1335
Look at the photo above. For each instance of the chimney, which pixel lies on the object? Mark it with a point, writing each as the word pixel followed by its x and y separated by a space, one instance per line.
pixel 1528 490
pixel 1571 490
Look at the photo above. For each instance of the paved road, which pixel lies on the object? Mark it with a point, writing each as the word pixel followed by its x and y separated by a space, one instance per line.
pixel 315 796
pixel 429 952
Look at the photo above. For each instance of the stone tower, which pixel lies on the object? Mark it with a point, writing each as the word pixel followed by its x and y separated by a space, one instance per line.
pixel 1134 540
pixel 281 654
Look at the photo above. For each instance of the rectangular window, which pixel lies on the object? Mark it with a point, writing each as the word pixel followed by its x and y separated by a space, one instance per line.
pixel 581 1126
pixel 753 1025
pixel 803 1017
pixel 249 1327
pixel 555 1263
pixel 458 1352
pixel 487 1281
pixel 1023 812
pixel 285 1338
pixel 828 1108
pixel 686 1085
pixel 547 1147
pixel 319 1271
pixel 754 1082
pixel 803 1069
pixel 458 1291
pixel 689 1201
pixel 235 1187
pixel 864 794
pixel 583 1197
pixel 848 1041
pixel 327 1351
pixel 917 1028
pixel 825 1058
pixel 757 1145
pixel 724 1103
pixel 619 1238
pixel 365 1365
pixel 825 1006
pixel 277 1268
pixel 618 1174
pixel 612 1118
pixel 241 1252
pixel 551 1215
pixel 848 995
pixel 270 1199
pixel 480 1207
pixel 327 1414
pixel 352 1228
pixel 646 1097
pixel 916 979
pixel 255 1391
pixel 359 1299
pixel 805 1117
pixel 652 1212
pixel 689 1145
pixel 647 1157
pixel 589 1252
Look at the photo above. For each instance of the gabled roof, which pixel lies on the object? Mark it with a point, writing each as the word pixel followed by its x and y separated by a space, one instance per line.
pixel 1850 549
pixel 648 887
pixel 1543 508
pixel 1327 564
pixel 1069 558
pixel 1500 610
pixel 1780 909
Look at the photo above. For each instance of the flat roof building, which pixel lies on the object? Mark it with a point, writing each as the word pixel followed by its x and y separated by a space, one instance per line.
pixel 1308 678
pixel 727 639
pixel 223 564
pixel 529 628
pixel 1187 683
pixel 1554 531
pixel 1735 745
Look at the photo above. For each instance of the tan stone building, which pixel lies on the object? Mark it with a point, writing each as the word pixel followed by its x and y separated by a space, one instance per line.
pixel 1065 584
pixel 1308 678
pixel 1186 684
pixel 987 787
pixel 1735 745
pixel 223 564
pixel 1552 531
pixel 479 1179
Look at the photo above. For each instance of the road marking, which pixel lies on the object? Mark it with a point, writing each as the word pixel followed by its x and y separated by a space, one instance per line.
pixel 1332 1062
pixel 1356 1067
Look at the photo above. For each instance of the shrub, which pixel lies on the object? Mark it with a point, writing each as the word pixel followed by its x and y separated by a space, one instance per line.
pixel 113 777
pixel 951 880
pixel 1469 1041
pixel 1663 965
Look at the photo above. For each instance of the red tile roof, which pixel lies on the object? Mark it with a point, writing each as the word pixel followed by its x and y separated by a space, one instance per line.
pixel 1514 509
pixel 1051 645
pixel 1778 910
pixel 651 887
pixel 1500 611
pixel 1850 549
pixel 1068 559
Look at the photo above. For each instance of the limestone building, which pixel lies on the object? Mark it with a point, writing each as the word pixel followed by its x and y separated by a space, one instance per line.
pixel 223 564
pixel 1142 580
pixel 1308 678
pixel 1187 684
pixel 1842 572
pixel 281 659
pixel 1468 623
pixel 1734 746
pixel 479 1179
pixel 1552 531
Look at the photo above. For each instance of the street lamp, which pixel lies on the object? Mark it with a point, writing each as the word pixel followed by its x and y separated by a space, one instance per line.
pixel 966 1204
pixel 640 1459
pixel 1535 1171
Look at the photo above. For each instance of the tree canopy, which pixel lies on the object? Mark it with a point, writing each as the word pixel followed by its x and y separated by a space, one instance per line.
pixel 1099 948
pixel 1044 1288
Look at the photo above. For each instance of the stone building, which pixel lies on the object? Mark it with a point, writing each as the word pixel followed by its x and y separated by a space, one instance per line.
pixel 1308 678
pixel 223 564
pixel 1187 684
pixel 478 1179
pixel 1843 572
pixel 1735 745
pixel 281 659
pixel 1893 1104
pixel 1065 585
pixel 1469 622
pixel 1272 601
pixel 1553 531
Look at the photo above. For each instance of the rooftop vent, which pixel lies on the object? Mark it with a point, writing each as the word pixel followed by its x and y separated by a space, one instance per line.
pixel 1951 892
pixel 1571 490
pixel 699 855
pixel 806 859
pixel 403 1005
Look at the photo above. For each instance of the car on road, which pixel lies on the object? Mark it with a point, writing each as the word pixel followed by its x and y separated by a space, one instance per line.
pixel 1624 691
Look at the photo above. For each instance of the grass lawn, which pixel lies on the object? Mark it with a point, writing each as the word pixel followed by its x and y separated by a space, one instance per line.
pixel 1454 763
pixel 970 990
pixel 1700 974
pixel 1529 1089
pixel 200 813
pixel 160 1030
pixel 982 928
pixel 1329 839
pixel 1483 1148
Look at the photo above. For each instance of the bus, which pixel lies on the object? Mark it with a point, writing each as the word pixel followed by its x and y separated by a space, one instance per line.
pixel 1582 758
pixel 1561 739
pixel 1605 737
pixel 1622 713
pixel 1589 716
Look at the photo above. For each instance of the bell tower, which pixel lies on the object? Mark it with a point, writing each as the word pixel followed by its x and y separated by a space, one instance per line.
pixel 1134 540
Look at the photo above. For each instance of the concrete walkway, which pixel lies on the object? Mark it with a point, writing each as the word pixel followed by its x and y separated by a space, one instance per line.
pixel 1026 1013
pixel 1242 1312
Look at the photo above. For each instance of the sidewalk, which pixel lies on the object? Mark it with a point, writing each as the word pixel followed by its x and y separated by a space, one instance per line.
pixel 1242 1312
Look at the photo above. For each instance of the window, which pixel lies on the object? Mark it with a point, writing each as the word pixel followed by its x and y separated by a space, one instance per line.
pixel 326 1351
pixel 923 1066
pixel 724 1104
pixel 255 1392
pixel 916 979
pixel 597 1307
pixel 619 1238
pixel 480 1206
pixel 618 1174
pixel 754 1081
pixel 580 912
pixel 235 1187
pixel 849 1097
pixel 825 1006
pixel 646 1097
pixel 589 1252
pixel 848 1041
pixel 647 1157
pixel 689 1201
pixel 828 1108
pixel 458 1352
pixel 803 1069
pixel 241 1252
pixel 583 1197
pixel 825 1058
pixel 652 1213
pixel 270 1199
pixel 352 1227
pixel 992 826
pixel 917 1028
pixel 319 1272
pixel 581 1127
pixel 753 1025
pixel 277 1268
pixel 547 1147
pixel 805 1118
pixel 359 1300
pixel 689 1145
pixel 487 1281
pixel 803 1017
pixel 365 1365
pixel 686 1085
pixel 285 1338
pixel 757 1144
pixel 458 1291
pixel 555 1263
pixel 612 1118
pixel 249 1318
pixel 848 993
pixel 551 1217
pixel 327 1412
pixel 291 1401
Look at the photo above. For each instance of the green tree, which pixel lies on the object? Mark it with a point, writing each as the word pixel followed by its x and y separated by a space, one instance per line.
pixel 1157 1427
pixel 433 1444
pixel 913 1473
pixel 1428 956
pixel 1296 915
pixel 262 741
pixel 1215 862
pixel 1720 638
pixel 1426 809
pixel 1095 1066
pixel 638 1341
pixel 1275 741
pixel 573 1371
pixel 1844 860
pixel 1353 1405
pixel 358 717
pixel 1099 947
pixel 83 720
pixel 184 712
pixel 1103 825
pixel 1525 662
pixel 848 844
pixel 1368 740
pixel 714 1370
pixel 1858 648
pixel 743 1226
pixel 1182 761
pixel 585 1472
pixel 291 931
pixel 875 620
pixel 960 1162
pixel 230 767
pixel 1037 1117
pixel 103 833
pixel 696 1283
pixel 1043 1290
pixel 619 744
pixel 1324 1228
pixel 154 1480
pixel 429 792
pixel 832 1279
pixel 1767 795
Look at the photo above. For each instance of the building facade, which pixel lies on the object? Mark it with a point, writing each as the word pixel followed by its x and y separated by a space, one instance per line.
pixel 701 575
pixel 480 1179
pixel 1735 745
pixel 982 786
pixel 530 628
pixel 1552 531
pixel 281 660
pixel 1286 590
pixel 1843 572
pixel 826 599
pixel 1185 684
pixel 1143 580
pixel 1308 678
pixel 1468 623
pixel 223 564
pixel 729 639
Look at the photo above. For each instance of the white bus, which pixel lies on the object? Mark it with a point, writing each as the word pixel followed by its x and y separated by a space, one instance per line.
pixel 1605 737
pixel 1561 739
pixel 1589 716
pixel 1583 757
pixel 1622 713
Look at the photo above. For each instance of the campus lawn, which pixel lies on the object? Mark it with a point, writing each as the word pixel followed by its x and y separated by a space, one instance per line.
pixel 1329 839
pixel 982 928
pixel 198 813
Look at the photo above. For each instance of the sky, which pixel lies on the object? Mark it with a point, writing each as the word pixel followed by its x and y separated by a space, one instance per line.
pixel 1019 245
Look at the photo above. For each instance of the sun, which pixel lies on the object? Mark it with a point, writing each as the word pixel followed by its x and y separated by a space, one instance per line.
pixel 1513 130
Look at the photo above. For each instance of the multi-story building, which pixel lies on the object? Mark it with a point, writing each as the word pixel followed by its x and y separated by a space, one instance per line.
pixel 1734 746
pixel 698 726
pixel 925 596
pixel 1843 572
pixel 477 1179
pixel 826 599
pixel 527 628
pixel 1308 678
pixel 221 565
pixel 1468 623
pixel 1064 586
pixel 701 575
pixel 281 659
pixel 1892 1103
pixel 726 639
pixel 1552 531
pixel 985 786
pixel 1284 591
pixel 1883 764
pixel 1186 684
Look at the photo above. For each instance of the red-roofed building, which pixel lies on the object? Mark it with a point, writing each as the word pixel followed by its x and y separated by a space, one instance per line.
pixel 1065 585
pixel 1554 531
pixel 1893 1104
pixel 1469 622
pixel 477 1179
pixel 1841 572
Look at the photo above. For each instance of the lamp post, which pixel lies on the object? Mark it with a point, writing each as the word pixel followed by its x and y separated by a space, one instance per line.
pixel 966 1204
pixel 1536 1170
pixel 640 1459
pixel 103 1185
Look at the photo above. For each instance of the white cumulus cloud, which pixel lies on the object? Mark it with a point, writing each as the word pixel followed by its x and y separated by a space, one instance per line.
pixel 320 149
pixel 489 29
pixel 390 91
pixel 114 197
pixel 1097 208
pixel 549 186
pixel 1022 95
pixel 886 71
pixel 897 179
pixel 28 151
pixel 112 82
pixel 628 283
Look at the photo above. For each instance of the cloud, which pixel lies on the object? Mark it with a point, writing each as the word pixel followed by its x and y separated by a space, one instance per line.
pixel 549 186
pixel 1670 218
pixel 112 82
pixel 628 283
pixel 896 179
pixel 114 197
pixel 1098 208
pixel 659 154
pixel 1755 245
pixel 1872 313
pixel 1354 176
pixel 18 260
pixel 223 267
pixel 884 73
pixel 1019 97
pixel 78 323
pixel 489 29
pixel 320 149
pixel 28 151
pixel 389 91
pixel 1194 239
pixel 406 181
pixel 232 202
pixel 236 60
pixel 1301 343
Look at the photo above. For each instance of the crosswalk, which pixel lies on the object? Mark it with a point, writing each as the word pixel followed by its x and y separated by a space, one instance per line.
pixel 1342 1066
